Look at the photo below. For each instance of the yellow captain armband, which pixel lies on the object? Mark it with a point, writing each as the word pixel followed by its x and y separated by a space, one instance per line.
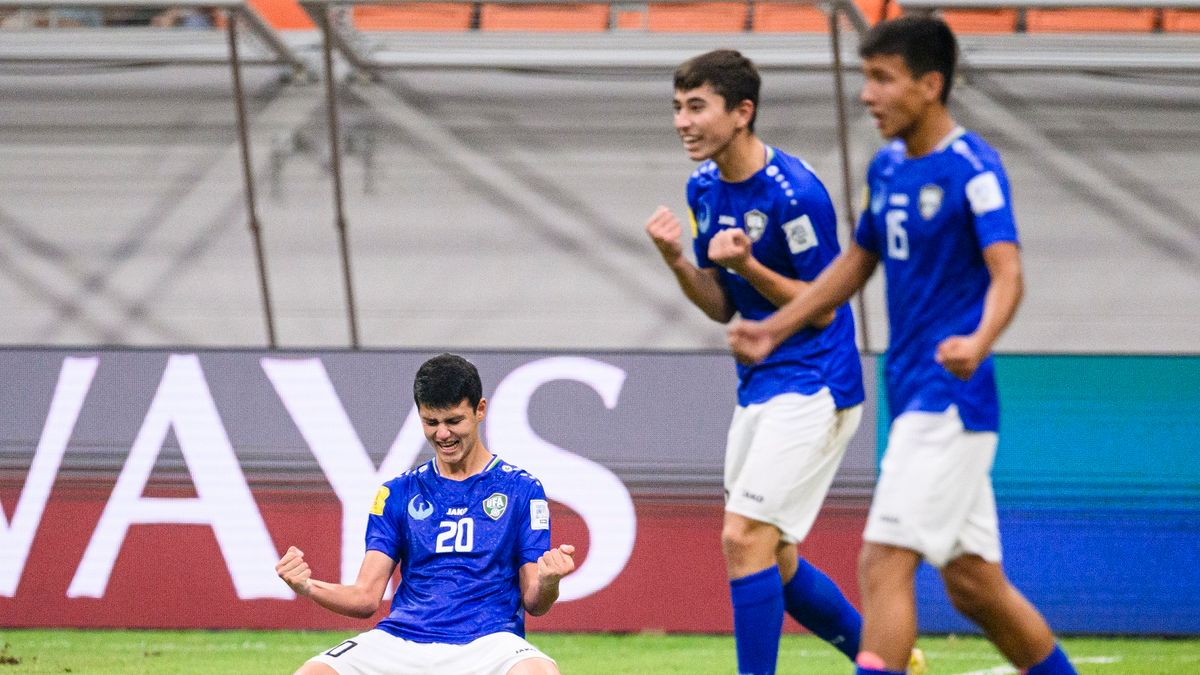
pixel 866 199
pixel 380 499
pixel 692 220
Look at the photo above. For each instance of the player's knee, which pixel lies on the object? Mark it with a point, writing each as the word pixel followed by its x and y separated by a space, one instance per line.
pixel 739 541
pixel 315 668
pixel 971 595
pixel 885 567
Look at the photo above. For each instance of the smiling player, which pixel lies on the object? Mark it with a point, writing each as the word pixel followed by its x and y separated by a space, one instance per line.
pixel 471 534
pixel 763 228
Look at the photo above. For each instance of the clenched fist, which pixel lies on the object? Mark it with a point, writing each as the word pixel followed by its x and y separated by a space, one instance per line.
pixel 666 232
pixel 730 248
pixel 556 563
pixel 294 571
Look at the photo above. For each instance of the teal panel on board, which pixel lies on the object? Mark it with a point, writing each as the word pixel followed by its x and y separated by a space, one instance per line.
pixel 1091 430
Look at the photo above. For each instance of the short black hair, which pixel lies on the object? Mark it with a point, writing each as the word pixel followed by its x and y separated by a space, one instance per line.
pixel 925 43
pixel 445 380
pixel 730 74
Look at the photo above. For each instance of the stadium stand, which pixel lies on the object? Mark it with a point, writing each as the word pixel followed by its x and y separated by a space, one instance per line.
pixel 434 17
pixel 530 133
pixel 1070 35
pixel 144 45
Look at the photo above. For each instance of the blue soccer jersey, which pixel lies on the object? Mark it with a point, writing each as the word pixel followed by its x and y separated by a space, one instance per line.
pixel 929 218
pixel 787 214
pixel 461 545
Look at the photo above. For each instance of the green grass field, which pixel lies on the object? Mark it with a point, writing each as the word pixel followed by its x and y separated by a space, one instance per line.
pixel 77 651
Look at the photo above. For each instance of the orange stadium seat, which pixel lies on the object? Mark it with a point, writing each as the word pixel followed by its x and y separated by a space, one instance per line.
pixel 1089 20
pixel 981 20
pixel 1181 21
pixel 875 11
pixel 418 16
pixel 544 18
pixel 697 17
pixel 788 17
pixel 283 14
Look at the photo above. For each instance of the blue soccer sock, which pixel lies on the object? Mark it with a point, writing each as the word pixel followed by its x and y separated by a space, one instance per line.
pixel 757 620
pixel 1055 664
pixel 818 604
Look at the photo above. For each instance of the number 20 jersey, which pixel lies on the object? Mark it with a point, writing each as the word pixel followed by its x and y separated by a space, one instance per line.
pixel 929 218
pixel 461 545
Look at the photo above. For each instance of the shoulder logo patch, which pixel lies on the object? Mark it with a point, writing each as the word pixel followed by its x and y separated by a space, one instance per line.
pixel 756 224
pixel 929 200
pixel 381 496
pixel 801 235
pixel 984 193
pixel 495 505
pixel 539 514
pixel 418 508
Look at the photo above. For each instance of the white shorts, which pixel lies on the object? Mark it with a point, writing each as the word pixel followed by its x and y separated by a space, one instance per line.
pixel 377 652
pixel 781 457
pixel 934 494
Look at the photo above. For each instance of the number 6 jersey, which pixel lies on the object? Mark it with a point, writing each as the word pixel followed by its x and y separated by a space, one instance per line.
pixel 929 218
pixel 460 545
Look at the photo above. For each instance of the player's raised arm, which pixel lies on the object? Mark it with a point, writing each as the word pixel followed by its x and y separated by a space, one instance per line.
pixel 359 600
pixel 539 581
pixel 962 354
pixel 752 341
pixel 732 249
pixel 701 286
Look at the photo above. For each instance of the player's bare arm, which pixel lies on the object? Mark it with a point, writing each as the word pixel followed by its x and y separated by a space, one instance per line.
pixel 962 354
pixel 701 286
pixel 359 600
pixel 751 341
pixel 732 250
pixel 539 581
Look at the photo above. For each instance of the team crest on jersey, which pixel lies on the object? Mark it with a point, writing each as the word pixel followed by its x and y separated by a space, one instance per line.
pixel 418 508
pixel 929 200
pixel 756 224
pixel 495 505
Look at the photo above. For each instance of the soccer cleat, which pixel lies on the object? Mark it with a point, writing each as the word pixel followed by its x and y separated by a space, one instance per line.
pixel 916 662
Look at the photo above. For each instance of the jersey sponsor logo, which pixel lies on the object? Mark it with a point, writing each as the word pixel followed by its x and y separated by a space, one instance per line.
pixel 756 224
pixel 418 508
pixel 984 193
pixel 801 235
pixel 495 505
pixel 539 514
pixel 381 496
pixel 929 200
pixel 898 199
pixel 727 221
pixel 460 511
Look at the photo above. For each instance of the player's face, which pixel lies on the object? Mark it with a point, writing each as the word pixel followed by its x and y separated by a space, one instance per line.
pixel 703 123
pixel 453 433
pixel 898 101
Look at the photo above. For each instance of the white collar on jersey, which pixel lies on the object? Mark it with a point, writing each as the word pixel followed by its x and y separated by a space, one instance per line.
pixel 949 138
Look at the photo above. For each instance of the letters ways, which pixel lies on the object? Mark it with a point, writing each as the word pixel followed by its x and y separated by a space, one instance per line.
pixel 183 403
